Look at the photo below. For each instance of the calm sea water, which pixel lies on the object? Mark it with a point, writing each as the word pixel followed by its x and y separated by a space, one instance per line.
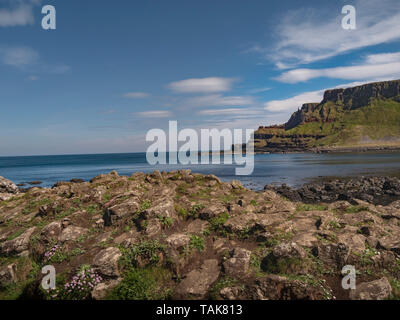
pixel 292 169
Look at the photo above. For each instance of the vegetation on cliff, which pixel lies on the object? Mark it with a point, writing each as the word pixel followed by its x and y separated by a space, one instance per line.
pixel 367 115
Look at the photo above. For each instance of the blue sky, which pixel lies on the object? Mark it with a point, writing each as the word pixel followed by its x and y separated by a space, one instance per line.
pixel 112 70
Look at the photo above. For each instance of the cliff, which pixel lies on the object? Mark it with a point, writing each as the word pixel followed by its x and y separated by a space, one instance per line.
pixel 362 116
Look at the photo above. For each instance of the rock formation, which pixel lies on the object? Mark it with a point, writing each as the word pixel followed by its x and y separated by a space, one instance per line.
pixel 364 116
pixel 180 235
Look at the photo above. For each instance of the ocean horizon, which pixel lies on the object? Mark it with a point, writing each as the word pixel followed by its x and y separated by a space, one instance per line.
pixel 291 169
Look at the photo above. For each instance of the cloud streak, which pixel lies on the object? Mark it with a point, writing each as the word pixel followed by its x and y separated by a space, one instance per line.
pixel 136 95
pixel 386 65
pixel 309 35
pixel 21 15
pixel 154 114
pixel 202 85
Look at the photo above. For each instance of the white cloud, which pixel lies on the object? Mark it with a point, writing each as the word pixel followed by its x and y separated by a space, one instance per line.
pixel 309 35
pixel 202 85
pixel 218 101
pixel 18 56
pixel 136 95
pixel 259 90
pixel 386 65
pixel 230 111
pixel 154 114
pixel 19 16
pixel 295 102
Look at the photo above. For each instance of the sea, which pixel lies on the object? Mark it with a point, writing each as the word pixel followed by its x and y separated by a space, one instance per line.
pixel 292 169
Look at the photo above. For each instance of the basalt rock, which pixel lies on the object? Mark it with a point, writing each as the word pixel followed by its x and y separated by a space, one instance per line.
pixel 180 235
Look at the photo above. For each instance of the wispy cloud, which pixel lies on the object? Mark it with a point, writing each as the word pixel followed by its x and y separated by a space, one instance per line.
pixel 217 100
pixel 228 112
pixel 20 15
pixel 308 35
pixel 29 60
pixel 136 95
pixel 259 90
pixel 202 85
pixel 18 56
pixel 386 65
pixel 154 114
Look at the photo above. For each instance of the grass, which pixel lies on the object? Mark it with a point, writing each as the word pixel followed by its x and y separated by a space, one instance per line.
pixel 221 284
pixel 217 222
pixel 15 235
pixel 34 205
pixel 194 211
pixel 14 291
pixel 197 242
pixel 165 221
pixel 66 213
pixel 355 209
pixel 145 250
pixel 143 284
pixel 311 207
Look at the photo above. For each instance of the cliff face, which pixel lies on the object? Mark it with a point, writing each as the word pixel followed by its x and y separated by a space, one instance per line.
pixel 356 97
pixel 367 113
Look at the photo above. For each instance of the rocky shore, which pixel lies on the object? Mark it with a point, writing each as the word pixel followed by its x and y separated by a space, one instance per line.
pixel 375 190
pixel 180 235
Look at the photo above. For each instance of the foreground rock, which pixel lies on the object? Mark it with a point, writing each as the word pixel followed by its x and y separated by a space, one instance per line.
pixel 374 290
pixel 180 235
pixel 7 189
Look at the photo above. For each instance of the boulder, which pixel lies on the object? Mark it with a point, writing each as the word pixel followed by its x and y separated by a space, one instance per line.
pixel 106 262
pixel 212 211
pixel 8 275
pixel 197 226
pixel 178 241
pixel 274 287
pixel 51 231
pixel 375 290
pixel 72 233
pixel 7 186
pixel 238 265
pixel 19 244
pixel 198 281
pixel 117 212
pixel 289 250
pixel 101 290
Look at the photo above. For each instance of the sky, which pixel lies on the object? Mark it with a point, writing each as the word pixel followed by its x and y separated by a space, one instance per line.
pixel 112 70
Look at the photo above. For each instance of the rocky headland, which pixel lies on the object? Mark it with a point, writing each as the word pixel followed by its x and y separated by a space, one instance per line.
pixel 180 235
pixel 362 118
